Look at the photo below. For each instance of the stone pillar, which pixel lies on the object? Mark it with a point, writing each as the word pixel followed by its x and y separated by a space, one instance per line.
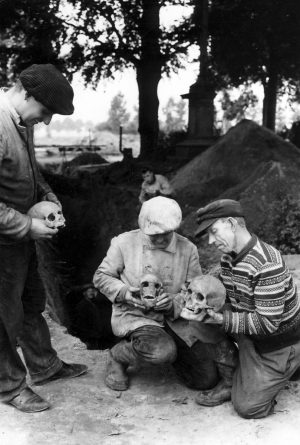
pixel 201 120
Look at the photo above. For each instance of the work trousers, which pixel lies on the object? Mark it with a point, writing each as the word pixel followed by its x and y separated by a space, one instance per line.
pixel 260 376
pixel 194 365
pixel 22 301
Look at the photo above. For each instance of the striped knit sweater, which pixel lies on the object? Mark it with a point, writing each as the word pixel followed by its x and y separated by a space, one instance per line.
pixel 261 292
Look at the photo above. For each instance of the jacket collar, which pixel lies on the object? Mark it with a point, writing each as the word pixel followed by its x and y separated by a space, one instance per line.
pixel 171 247
pixel 10 108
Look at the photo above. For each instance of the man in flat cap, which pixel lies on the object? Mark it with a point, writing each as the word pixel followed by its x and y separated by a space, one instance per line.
pixel 40 92
pixel 151 256
pixel 262 312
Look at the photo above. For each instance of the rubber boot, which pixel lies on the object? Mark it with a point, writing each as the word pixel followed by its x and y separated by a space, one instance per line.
pixel 121 356
pixel 226 358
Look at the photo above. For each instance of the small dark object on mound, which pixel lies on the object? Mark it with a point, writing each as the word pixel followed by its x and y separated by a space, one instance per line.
pixel 87 159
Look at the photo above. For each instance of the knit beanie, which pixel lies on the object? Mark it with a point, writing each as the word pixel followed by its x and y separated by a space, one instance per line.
pixel 49 87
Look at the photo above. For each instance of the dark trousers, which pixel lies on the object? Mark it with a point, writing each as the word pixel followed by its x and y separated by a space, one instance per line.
pixel 260 376
pixel 152 344
pixel 22 301
pixel 194 366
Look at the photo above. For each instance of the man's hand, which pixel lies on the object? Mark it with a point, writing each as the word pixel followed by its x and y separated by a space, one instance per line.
pixel 52 198
pixel 131 299
pixel 215 317
pixel 164 303
pixel 40 230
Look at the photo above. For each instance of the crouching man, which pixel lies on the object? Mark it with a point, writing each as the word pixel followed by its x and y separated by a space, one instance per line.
pixel 151 332
pixel 262 311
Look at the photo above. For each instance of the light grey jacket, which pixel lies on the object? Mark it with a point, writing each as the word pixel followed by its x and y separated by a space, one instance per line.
pixel 128 258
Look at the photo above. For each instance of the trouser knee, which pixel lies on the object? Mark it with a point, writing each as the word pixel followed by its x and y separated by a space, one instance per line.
pixel 251 408
pixel 153 345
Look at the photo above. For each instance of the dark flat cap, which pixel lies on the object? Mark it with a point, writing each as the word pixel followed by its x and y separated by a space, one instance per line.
pixel 222 208
pixel 48 86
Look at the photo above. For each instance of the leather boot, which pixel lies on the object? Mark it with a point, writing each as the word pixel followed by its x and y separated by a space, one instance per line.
pixel 120 357
pixel 220 393
pixel 226 358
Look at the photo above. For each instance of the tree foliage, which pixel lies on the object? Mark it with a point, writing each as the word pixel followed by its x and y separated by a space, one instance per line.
pixel 109 36
pixel 257 41
pixel 174 116
pixel 117 114
pixel 30 32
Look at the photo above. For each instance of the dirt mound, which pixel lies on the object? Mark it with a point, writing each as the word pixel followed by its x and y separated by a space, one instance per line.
pixel 230 162
pixel 87 158
pixel 250 164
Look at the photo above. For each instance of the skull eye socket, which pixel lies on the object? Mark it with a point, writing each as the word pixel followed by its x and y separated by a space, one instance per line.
pixel 51 217
pixel 200 296
pixel 157 286
pixel 145 284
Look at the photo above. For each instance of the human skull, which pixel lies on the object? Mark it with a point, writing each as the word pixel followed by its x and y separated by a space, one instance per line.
pixel 50 212
pixel 203 292
pixel 150 288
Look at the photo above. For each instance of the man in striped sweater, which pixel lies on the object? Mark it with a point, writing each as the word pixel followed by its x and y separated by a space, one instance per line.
pixel 262 311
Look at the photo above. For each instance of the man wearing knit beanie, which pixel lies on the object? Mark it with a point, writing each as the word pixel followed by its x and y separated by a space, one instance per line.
pixel 40 92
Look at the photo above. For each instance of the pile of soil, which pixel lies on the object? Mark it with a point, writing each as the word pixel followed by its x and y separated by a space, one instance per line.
pixel 86 158
pixel 250 164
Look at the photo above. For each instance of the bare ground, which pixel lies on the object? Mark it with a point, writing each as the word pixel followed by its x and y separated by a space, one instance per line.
pixel 156 410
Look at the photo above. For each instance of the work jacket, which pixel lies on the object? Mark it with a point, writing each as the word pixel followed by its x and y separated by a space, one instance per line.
pixel 129 257
pixel 21 184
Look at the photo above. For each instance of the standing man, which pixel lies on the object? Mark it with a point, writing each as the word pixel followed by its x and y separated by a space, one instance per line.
pixel 262 312
pixel 154 185
pixel 40 92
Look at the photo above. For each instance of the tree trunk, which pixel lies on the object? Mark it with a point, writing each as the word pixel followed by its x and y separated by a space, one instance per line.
pixel 270 99
pixel 148 77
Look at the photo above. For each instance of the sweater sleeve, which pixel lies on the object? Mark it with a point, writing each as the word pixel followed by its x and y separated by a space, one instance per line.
pixel 107 276
pixel 272 286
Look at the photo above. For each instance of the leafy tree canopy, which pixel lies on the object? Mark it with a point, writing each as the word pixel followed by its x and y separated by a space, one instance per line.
pixel 250 38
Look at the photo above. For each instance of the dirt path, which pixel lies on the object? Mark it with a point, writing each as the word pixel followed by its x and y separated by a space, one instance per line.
pixel 156 410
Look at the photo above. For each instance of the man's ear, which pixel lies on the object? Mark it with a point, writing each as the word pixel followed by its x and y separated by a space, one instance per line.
pixel 233 223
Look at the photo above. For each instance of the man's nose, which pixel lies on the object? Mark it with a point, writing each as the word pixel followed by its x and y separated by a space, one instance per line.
pixel 211 238
pixel 47 119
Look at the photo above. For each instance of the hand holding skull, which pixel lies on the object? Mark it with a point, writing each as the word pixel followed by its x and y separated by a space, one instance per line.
pixel 203 299
pixel 46 219
pixel 152 294
pixel 49 212
pixel 132 298
pixel 164 303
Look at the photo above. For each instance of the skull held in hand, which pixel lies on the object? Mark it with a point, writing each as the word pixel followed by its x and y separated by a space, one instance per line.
pixel 150 288
pixel 203 292
pixel 50 212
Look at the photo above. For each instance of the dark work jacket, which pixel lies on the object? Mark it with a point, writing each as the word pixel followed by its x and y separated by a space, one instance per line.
pixel 21 184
